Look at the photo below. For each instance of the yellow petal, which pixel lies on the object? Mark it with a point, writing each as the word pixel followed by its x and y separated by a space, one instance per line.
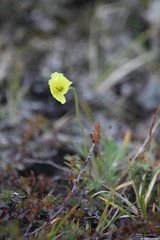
pixel 61 98
pixel 66 87
pixel 56 75
pixel 59 85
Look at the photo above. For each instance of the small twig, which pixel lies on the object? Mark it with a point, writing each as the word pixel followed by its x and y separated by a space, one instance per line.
pixel 59 211
pixel 29 227
pixel 58 235
pixel 150 132
pixel 143 148
pixel 75 182
pixel 111 219
pixel 35 231
pixel 96 215
pixel 95 137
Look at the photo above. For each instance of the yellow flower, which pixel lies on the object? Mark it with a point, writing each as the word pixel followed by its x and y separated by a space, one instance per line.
pixel 59 85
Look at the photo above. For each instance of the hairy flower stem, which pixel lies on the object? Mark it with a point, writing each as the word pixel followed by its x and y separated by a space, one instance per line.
pixel 78 116
pixel 75 182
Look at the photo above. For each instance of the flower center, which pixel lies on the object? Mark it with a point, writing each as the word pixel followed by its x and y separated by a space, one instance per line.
pixel 59 88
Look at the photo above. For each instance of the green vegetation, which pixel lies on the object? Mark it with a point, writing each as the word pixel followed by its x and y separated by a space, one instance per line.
pixel 57 180
pixel 92 207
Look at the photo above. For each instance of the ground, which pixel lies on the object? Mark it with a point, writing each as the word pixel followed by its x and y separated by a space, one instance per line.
pixel 110 51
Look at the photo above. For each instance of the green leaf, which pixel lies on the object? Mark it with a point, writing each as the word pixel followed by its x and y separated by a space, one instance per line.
pixel 73 202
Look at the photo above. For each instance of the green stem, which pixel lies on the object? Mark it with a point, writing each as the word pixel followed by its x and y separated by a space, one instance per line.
pixel 78 116
pixel 95 175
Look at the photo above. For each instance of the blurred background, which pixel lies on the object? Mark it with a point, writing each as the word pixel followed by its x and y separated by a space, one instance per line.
pixel 110 50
